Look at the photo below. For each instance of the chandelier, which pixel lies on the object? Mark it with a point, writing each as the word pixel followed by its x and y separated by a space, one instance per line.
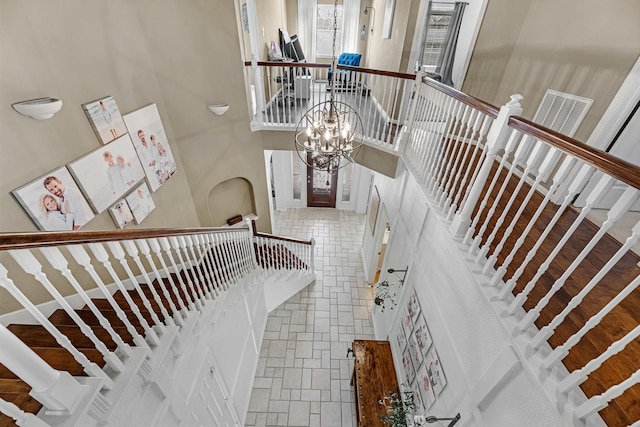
pixel 330 130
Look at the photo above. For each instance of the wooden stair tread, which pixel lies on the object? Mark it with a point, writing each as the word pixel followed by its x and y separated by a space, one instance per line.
pixel 13 385
pixel 38 336
pixel 23 401
pixel 60 317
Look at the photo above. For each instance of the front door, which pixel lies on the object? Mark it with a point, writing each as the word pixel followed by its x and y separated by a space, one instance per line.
pixel 321 187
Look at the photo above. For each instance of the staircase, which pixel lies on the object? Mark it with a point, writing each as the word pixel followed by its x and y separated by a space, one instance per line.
pixel 137 328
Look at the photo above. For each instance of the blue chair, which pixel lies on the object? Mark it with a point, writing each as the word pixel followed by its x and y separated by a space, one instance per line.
pixel 343 77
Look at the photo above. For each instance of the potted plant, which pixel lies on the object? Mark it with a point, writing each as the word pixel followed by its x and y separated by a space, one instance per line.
pixel 399 408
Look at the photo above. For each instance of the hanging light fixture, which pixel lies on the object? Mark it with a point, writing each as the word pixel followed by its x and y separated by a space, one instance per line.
pixel 330 130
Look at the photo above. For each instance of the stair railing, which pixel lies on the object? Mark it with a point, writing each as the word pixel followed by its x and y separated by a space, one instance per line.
pixel 177 271
pixel 283 255
pixel 482 168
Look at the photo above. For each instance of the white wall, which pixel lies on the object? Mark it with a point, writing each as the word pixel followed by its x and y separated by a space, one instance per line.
pixel 486 381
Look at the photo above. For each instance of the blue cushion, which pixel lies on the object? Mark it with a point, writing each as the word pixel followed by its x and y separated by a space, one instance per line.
pixel 352 59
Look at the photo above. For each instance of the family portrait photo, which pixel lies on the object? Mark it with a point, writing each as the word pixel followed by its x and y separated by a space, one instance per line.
pixel 105 119
pixel 150 141
pixel 108 173
pixel 54 202
pixel 140 203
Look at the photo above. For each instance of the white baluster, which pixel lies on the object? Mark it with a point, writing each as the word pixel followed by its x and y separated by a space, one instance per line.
pixel 166 247
pixel 119 254
pixel 56 390
pixel 512 143
pixel 413 105
pixel 596 403
pixel 82 258
pixel 558 178
pixel 219 262
pixel 222 247
pixel 30 264
pixel 190 255
pixel 175 316
pixel 228 254
pixel 445 147
pixel 21 418
pixel 57 261
pixel 579 376
pixel 197 296
pixel 578 183
pixel 199 243
pixel 458 181
pixel 101 255
pixel 156 247
pixel 311 260
pixel 453 161
pixel 217 274
pixel 89 367
pixel 531 168
pixel 548 330
pixel 619 208
pixel 561 352
pixel 496 141
pixel 438 124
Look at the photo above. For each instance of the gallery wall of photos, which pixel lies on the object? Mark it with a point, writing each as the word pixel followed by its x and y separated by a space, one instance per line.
pixel 133 161
pixel 420 363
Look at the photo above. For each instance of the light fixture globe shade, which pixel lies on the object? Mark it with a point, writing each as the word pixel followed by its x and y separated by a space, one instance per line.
pixel 39 108
pixel 330 131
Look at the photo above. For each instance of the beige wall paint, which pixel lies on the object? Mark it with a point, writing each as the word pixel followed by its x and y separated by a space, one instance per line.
pixel 386 54
pixel 582 47
pixel 272 15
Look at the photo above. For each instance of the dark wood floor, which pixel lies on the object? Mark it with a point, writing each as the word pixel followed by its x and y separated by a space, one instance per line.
pixel 624 410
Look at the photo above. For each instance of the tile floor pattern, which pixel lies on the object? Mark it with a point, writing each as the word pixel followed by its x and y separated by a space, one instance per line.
pixel 303 376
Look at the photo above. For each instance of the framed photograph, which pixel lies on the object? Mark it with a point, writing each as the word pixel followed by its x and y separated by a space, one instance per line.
pixel 417 398
pixel 414 351
pixel 434 371
pixel 423 337
pixel 374 205
pixel 408 366
pixel 150 141
pixel 121 213
pixel 388 19
pixel 140 203
pixel 108 173
pixel 402 338
pixel 407 324
pixel 105 119
pixel 426 390
pixel 54 202
pixel 413 306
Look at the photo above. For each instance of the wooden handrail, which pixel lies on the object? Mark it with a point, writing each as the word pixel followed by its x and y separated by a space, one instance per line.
pixel 256 233
pixel 396 74
pixel 340 67
pixel 608 163
pixel 57 238
pixel 287 64
pixel 484 107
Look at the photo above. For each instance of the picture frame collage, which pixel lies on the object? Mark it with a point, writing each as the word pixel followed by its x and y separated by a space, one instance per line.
pixel 119 176
pixel 421 365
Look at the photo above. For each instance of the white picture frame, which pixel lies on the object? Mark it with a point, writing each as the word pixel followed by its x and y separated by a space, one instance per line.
pixel 151 144
pixel 121 214
pixel 54 202
pixel 108 173
pixel 105 118
pixel 140 202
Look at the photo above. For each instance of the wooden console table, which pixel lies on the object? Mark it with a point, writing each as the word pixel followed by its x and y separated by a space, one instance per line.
pixel 374 376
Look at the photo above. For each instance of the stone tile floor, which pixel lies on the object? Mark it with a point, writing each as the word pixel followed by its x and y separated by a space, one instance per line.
pixel 303 376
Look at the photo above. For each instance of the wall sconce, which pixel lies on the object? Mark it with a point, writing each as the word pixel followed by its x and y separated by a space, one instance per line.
pixel 420 420
pixel 373 15
pixel 363 33
pixel 392 271
pixel 39 108
pixel 218 109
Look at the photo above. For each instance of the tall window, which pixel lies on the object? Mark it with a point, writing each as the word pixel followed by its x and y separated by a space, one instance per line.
pixel 296 170
pixel 438 23
pixel 324 30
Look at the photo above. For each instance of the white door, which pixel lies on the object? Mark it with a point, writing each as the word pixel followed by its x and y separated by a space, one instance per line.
pixel 210 400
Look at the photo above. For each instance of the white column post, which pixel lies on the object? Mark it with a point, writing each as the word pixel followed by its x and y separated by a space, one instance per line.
pixel 496 141
pixel 312 251
pixel 412 111
pixel 56 390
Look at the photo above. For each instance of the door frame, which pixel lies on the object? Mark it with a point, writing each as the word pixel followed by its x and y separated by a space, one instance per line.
pixel 333 187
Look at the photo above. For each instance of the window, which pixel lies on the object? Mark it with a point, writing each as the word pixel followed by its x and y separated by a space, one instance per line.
pixel 324 30
pixel 346 182
pixel 296 172
pixel 438 23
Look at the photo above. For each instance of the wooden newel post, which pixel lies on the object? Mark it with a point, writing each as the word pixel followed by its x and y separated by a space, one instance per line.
pixel 56 390
pixel 496 141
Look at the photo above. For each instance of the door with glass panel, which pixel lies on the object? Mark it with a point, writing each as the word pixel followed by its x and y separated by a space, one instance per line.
pixel 321 187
